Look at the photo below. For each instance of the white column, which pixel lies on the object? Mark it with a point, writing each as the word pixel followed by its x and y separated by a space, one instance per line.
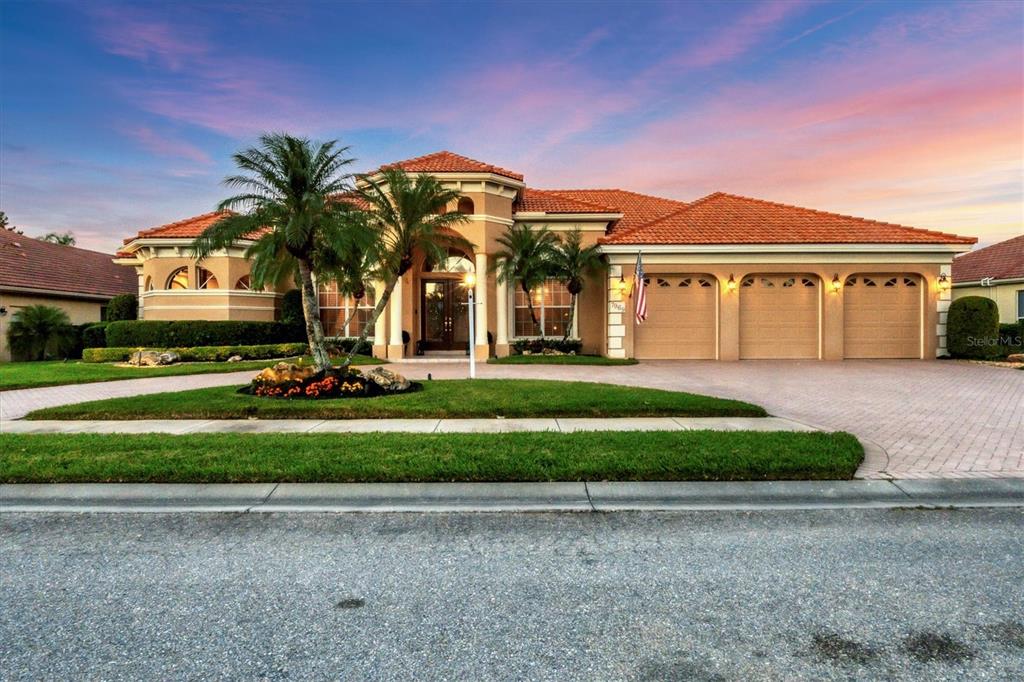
pixel 395 322
pixel 501 313
pixel 378 329
pixel 481 299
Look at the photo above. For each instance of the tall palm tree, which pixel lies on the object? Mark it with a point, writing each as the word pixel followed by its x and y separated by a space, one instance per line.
pixel 287 204
pixel 526 260
pixel 410 215
pixel 65 239
pixel 571 263
pixel 38 330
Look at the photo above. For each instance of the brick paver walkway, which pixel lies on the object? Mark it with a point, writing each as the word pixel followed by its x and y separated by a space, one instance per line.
pixel 918 419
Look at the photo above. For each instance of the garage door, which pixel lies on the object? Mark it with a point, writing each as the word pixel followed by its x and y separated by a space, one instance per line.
pixel 779 316
pixel 882 316
pixel 680 319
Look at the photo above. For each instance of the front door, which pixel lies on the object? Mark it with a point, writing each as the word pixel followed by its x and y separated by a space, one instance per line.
pixel 444 323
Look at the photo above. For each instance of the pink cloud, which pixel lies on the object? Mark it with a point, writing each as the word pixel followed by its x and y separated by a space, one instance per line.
pixel 166 146
pixel 740 36
pixel 127 33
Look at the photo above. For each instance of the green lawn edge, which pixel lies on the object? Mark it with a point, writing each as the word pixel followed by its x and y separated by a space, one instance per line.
pixel 396 458
pixel 20 375
pixel 441 399
pixel 560 360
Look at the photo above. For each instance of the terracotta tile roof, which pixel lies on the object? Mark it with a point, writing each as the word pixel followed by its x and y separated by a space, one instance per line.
pixel 636 209
pixel 189 227
pixel 1004 260
pixel 447 162
pixel 29 263
pixel 721 218
pixel 544 201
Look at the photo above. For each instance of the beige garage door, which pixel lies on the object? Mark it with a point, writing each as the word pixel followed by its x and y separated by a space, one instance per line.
pixel 680 319
pixel 779 316
pixel 882 316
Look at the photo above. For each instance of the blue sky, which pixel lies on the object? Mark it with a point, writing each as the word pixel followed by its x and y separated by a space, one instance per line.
pixel 120 116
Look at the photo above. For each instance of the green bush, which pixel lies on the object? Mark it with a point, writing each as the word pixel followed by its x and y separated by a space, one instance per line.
pixel 123 307
pixel 291 308
pixel 203 353
pixel 37 332
pixel 94 335
pixel 1011 338
pixel 189 333
pixel 972 328
pixel 539 345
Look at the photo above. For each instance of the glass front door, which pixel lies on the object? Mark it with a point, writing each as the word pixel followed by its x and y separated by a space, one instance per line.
pixel 444 323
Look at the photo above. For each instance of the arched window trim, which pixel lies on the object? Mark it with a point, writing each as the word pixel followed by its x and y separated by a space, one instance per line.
pixel 466 206
pixel 244 283
pixel 178 279
pixel 205 279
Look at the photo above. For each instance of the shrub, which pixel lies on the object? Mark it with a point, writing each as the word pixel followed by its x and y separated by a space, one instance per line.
pixel 123 307
pixel 344 344
pixel 40 331
pixel 203 353
pixel 539 345
pixel 1011 338
pixel 291 308
pixel 188 333
pixel 94 335
pixel 972 328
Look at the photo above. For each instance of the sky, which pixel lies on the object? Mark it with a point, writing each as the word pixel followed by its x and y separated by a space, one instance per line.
pixel 120 116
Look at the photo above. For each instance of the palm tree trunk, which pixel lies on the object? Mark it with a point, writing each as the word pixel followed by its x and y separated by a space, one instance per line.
pixel 389 287
pixel 311 311
pixel 529 306
pixel 572 318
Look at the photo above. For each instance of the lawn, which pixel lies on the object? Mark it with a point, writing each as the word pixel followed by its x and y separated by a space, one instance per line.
pixel 560 360
pixel 438 399
pixel 58 373
pixel 600 456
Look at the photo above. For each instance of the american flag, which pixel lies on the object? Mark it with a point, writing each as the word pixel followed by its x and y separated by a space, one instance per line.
pixel 640 287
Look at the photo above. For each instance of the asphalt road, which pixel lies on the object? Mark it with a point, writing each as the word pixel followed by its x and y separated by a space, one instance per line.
pixel 844 594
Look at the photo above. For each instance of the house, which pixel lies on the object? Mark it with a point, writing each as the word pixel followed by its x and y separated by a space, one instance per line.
pixel 995 272
pixel 729 277
pixel 78 281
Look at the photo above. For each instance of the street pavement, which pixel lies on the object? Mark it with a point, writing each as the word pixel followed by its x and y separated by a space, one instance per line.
pixel 840 594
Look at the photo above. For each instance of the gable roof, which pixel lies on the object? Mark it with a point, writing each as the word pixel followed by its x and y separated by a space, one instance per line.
pixel 721 218
pixel 30 263
pixel 448 162
pixel 1004 260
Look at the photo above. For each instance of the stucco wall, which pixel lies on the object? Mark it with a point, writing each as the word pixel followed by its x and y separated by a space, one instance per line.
pixel 1005 296
pixel 78 311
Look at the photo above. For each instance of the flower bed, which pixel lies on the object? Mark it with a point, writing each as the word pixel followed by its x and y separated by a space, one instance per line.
pixel 289 381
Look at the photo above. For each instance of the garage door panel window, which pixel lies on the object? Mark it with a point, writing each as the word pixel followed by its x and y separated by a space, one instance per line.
pixel 882 316
pixel 552 304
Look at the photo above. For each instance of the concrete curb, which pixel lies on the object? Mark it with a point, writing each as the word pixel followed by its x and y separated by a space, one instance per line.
pixel 509 497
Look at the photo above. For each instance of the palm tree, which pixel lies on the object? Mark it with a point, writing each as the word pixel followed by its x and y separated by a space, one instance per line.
pixel 571 263
pixel 288 204
pixel 410 215
pixel 526 259
pixel 38 330
pixel 65 239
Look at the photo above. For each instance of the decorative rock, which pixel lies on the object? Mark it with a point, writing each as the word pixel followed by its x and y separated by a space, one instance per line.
pixel 152 358
pixel 169 358
pixel 388 380
pixel 1015 357
pixel 285 371
pixel 235 358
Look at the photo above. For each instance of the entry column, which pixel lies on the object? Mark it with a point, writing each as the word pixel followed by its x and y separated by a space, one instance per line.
pixel 380 347
pixel 483 349
pixel 395 345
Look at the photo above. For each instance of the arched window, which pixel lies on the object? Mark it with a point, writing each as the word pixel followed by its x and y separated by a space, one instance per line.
pixel 243 283
pixel 149 283
pixel 466 206
pixel 206 279
pixel 178 279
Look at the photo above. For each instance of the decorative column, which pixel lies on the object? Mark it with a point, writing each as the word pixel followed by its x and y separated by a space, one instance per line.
pixel 942 303
pixel 395 345
pixel 617 316
pixel 380 348
pixel 501 348
pixel 483 349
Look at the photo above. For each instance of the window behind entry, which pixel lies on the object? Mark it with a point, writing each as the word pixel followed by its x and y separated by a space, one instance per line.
pixel 551 304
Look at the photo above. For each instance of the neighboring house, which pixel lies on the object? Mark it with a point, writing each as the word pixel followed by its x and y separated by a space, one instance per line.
pixel 78 281
pixel 729 277
pixel 995 272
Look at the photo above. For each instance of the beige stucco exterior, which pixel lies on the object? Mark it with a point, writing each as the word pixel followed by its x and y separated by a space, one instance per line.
pixel 1003 292
pixel 79 311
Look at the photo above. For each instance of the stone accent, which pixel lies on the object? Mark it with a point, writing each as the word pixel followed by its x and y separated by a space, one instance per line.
pixel 942 302
pixel 616 313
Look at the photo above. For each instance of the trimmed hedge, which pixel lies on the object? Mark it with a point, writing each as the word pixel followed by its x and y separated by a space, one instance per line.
pixel 1011 338
pixel 972 328
pixel 203 353
pixel 539 345
pixel 190 333
pixel 94 335
pixel 123 307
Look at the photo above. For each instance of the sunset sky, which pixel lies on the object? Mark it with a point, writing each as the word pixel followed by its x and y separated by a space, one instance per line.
pixel 116 117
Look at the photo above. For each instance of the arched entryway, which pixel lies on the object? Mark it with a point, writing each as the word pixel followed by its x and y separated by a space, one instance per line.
pixel 443 315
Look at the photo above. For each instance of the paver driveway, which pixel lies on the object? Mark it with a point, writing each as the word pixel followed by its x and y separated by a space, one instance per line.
pixel 917 419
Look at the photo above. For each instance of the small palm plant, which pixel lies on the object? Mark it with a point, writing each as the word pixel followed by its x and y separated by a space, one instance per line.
pixel 289 205
pixel 526 259
pixel 410 216
pixel 64 239
pixel 40 330
pixel 571 263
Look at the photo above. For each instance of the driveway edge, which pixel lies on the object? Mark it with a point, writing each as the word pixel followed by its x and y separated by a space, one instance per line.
pixel 509 497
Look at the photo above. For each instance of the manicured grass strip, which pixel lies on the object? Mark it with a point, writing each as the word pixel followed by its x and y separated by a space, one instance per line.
pixel 614 456
pixel 15 375
pixel 438 399
pixel 560 360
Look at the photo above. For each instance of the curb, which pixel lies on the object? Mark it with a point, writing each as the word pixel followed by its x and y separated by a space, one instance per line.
pixel 509 497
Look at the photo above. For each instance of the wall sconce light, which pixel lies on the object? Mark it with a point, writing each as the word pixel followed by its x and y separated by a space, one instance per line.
pixel 469 279
pixel 623 286
pixel 3 311
pixel 943 282
pixel 731 284
pixel 836 284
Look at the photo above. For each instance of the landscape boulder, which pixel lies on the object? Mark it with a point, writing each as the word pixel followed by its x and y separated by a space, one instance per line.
pixel 391 382
pixel 1015 357
pixel 235 358
pixel 152 358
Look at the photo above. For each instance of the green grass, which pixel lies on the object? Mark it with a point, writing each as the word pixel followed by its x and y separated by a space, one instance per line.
pixel 613 456
pixel 57 373
pixel 560 360
pixel 438 399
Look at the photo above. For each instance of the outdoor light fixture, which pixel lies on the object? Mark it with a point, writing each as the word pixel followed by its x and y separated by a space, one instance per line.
pixel 622 285
pixel 469 281
pixel 3 310
pixel 943 282
pixel 731 284
pixel 836 284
